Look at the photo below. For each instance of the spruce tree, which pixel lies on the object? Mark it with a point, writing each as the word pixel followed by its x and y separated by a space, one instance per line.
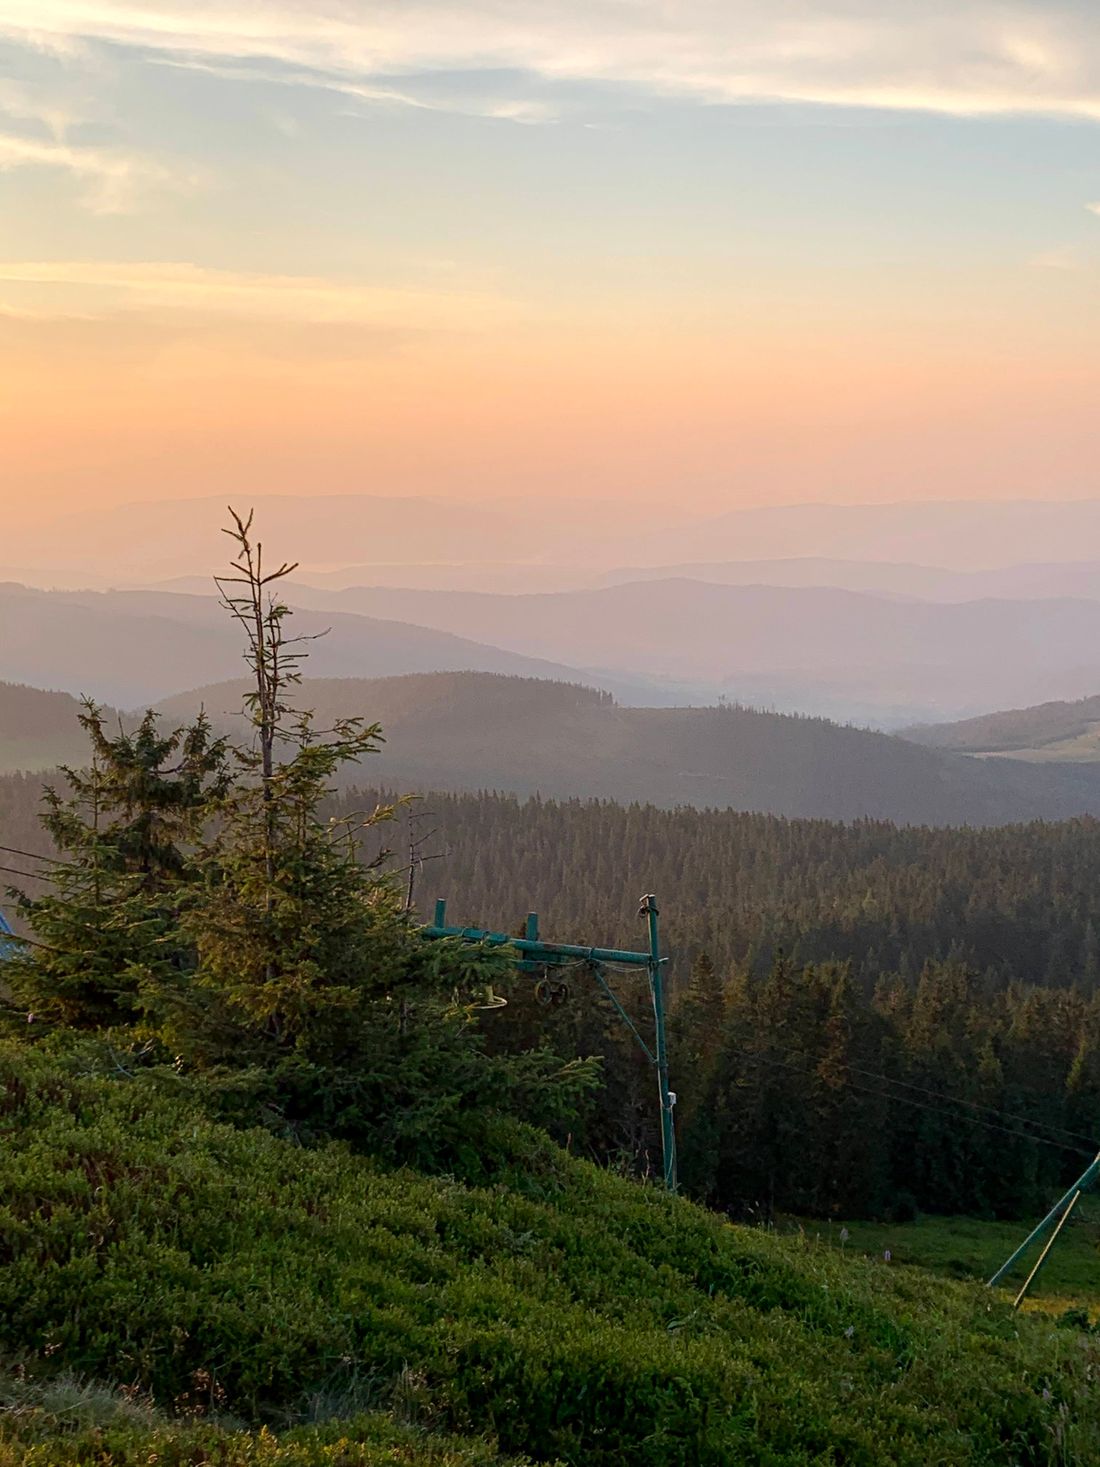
pixel 311 975
pixel 108 939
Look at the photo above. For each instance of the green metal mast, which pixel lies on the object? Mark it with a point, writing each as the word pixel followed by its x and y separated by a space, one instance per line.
pixel 536 956
pixel 667 1098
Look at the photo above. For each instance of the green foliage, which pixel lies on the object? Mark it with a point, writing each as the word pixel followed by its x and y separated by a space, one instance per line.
pixel 309 976
pixel 972 1248
pixel 583 1318
pixel 901 1010
pixel 67 1421
pixel 108 928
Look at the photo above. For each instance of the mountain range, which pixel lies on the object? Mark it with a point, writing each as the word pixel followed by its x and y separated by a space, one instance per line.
pixel 851 656
pixel 843 654
pixel 133 647
pixel 152 541
pixel 471 731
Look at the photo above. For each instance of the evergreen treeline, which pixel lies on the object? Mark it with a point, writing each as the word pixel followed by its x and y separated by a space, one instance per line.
pixel 865 1020
pixel 1015 903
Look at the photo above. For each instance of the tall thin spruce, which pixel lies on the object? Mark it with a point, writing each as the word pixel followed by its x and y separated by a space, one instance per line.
pixel 270 654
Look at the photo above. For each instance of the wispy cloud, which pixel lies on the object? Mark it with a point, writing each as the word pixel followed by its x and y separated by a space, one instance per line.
pixel 978 57
pixel 1093 208
pixel 474 104
pixel 88 289
pixel 24 104
pixel 112 181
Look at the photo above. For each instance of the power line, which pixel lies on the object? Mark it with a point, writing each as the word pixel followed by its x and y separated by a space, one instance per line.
pixel 30 855
pixel 26 875
pixel 973 1105
pixel 935 1109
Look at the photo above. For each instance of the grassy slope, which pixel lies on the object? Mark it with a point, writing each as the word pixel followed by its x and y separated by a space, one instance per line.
pixel 564 1313
pixel 1022 732
pixel 970 1248
pixel 38 730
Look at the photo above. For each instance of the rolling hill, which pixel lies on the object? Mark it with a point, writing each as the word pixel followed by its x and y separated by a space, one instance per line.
pixel 133 647
pixel 477 731
pixel 350 1314
pixel 1049 732
pixel 38 730
pixel 843 654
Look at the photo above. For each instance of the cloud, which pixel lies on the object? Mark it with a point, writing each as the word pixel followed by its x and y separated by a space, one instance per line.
pixel 112 180
pixel 478 103
pixel 1093 208
pixel 84 289
pixel 971 58
pixel 24 104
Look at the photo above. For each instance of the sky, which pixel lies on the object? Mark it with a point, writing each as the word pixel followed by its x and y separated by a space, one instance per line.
pixel 708 253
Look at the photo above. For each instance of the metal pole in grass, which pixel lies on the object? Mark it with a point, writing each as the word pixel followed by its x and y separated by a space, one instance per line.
pixel 1034 1274
pixel 649 910
pixel 1058 1213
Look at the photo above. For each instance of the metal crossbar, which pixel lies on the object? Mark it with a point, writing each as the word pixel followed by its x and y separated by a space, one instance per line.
pixel 534 954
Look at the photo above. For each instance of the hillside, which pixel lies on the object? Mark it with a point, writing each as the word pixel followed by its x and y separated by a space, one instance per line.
pixel 130 648
pixel 1048 732
pixel 237 1279
pixel 476 731
pixel 38 730
pixel 878 658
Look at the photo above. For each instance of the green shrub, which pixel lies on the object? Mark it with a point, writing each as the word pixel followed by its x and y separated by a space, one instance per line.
pixel 580 1318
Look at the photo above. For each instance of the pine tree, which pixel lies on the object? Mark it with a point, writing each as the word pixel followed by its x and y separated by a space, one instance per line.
pixel 107 933
pixel 310 972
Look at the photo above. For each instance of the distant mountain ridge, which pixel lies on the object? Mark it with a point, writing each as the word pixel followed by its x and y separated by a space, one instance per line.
pixel 133 647
pixel 471 731
pixel 1068 732
pixel 161 539
pixel 843 654
pixel 38 728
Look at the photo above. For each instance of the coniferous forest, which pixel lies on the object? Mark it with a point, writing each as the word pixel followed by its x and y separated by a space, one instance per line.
pixel 281 1182
pixel 865 1019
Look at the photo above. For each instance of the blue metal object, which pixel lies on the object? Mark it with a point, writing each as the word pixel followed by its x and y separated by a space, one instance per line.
pixel 536 956
pixel 1058 1213
pixel 7 948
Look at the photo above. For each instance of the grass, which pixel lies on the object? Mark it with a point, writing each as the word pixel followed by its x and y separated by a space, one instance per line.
pixel 970 1248
pixel 242 1300
pixel 1080 748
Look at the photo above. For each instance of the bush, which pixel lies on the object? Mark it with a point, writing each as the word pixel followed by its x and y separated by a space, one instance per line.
pixel 584 1318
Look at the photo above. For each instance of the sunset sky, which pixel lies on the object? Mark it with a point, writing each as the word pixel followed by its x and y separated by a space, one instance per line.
pixel 725 251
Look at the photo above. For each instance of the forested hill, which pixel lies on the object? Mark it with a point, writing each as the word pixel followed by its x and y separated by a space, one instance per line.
pixel 1061 730
pixel 1016 903
pixel 38 729
pixel 973 971
pixel 469 731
